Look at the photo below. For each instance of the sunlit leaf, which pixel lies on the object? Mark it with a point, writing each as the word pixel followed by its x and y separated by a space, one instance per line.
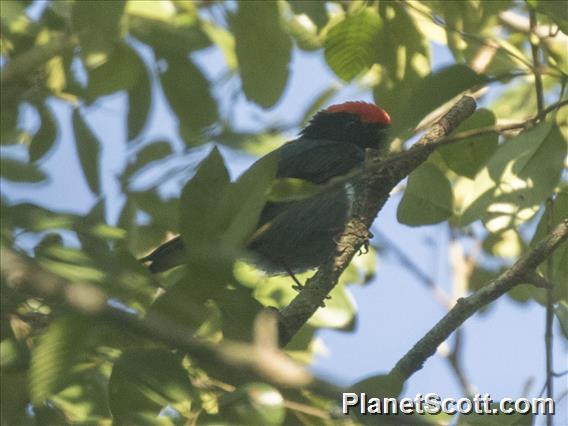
pixel 225 41
pixel 254 404
pixel 430 93
pixel 313 9
pixel 143 382
pixel 55 354
pixel 466 158
pixel 339 311
pixel 351 45
pixel 292 189
pixel 85 398
pixel 263 51
pixel 154 9
pixel 513 183
pixel 555 10
pixel 89 151
pixel 427 198
pixel 98 29
pixel 304 32
pixel 506 244
pixel 165 32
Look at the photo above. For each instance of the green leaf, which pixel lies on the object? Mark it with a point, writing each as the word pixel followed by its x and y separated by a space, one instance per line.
pixel 20 172
pixel 89 151
pixel 225 41
pixel 292 189
pixel 429 93
pixel 559 258
pixel 351 45
pixel 85 398
pixel 154 151
pixel 467 157
pixel 188 93
pixel 380 386
pixel 555 10
pixel 561 312
pixel 263 51
pixel 44 139
pixel 98 29
pixel 404 52
pixel 213 209
pixel 238 310
pixel 139 103
pixel 167 35
pixel 513 183
pixel 247 197
pixel 315 10
pixel 34 218
pixel 253 404
pixel 121 71
pixel 204 214
pixel 427 198
pixel 339 311
pixel 505 244
pixel 322 99
pixel 10 108
pixel 143 382
pixel 57 351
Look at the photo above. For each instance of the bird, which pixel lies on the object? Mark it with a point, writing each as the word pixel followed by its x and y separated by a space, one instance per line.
pixel 295 236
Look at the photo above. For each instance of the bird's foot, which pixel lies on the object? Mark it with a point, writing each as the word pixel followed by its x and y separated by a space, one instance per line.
pixel 298 286
pixel 364 249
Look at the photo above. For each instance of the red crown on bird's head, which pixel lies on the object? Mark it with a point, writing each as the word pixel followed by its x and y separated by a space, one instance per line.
pixel 368 112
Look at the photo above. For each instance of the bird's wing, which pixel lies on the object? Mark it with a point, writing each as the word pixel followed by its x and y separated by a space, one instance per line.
pixel 318 161
pixel 313 160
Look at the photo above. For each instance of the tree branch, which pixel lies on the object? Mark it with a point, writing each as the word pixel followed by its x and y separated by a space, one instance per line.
pixel 506 127
pixel 257 361
pixel 466 307
pixel 374 185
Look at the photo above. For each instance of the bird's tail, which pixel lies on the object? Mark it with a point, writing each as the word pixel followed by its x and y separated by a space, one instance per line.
pixel 166 256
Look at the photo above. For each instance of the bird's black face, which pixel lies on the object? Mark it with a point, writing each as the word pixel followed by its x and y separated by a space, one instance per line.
pixel 346 127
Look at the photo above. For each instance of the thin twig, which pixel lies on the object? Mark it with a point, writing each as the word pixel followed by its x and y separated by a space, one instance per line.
pixel 533 39
pixel 528 123
pixel 548 336
pixel 466 307
pixel 438 293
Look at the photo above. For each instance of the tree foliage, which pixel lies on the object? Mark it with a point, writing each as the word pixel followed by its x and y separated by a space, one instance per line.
pixel 63 59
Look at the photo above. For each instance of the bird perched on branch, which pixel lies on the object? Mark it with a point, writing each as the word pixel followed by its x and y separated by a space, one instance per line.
pixel 295 236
